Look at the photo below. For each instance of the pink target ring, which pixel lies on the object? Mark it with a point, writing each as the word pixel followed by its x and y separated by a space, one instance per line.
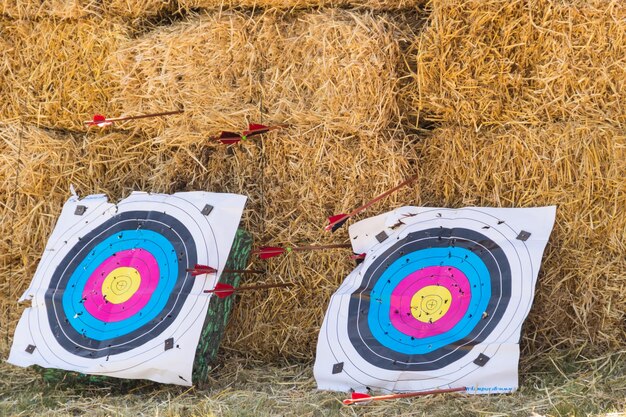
pixel 401 311
pixel 96 303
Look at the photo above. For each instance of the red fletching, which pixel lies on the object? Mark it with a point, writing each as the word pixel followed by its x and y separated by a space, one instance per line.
pixel 337 218
pixel 228 138
pixel 201 270
pixel 336 221
pixel 267 252
pixel 222 290
pixel 99 120
pixel 358 256
pixel 252 127
pixel 357 396
pixel 254 130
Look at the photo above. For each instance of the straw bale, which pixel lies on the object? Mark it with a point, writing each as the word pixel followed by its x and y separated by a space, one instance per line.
pixel 206 66
pixel 331 69
pixel 53 70
pixel 303 4
pixel 549 76
pixel 500 62
pixel 149 9
pixel 79 9
pixel 29 9
pixel 581 294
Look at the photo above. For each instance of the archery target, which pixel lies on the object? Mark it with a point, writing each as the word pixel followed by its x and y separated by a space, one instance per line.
pixel 438 301
pixel 111 294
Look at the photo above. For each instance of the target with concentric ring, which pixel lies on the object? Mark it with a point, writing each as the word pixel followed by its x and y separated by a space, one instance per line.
pixel 111 294
pixel 438 301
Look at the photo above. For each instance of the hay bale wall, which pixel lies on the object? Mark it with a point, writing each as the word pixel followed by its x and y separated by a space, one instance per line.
pixel 498 103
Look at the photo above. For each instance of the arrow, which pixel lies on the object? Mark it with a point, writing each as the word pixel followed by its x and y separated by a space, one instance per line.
pixel 358 397
pixel 267 252
pixel 204 269
pixel 225 290
pixel 101 121
pixel 338 220
pixel 229 138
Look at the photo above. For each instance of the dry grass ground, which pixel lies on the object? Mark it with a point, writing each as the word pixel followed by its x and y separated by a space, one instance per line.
pixel 497 103
pixel 555 386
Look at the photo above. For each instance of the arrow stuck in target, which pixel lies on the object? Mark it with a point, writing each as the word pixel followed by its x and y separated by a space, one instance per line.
pixel 102 121
pixel 205 269
pixel 266 252
pixel 254 129
pixel 358 398
pixel 225 290
pixel 338 220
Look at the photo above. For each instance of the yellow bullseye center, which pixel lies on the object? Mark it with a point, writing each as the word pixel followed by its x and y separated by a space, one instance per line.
pixel 430 303
pixel 121 284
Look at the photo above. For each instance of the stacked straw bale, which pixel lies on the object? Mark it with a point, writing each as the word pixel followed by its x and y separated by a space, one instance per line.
pixel 53 70
pixel 79 9
pixel 501 62
pixel 527 100
pixel 303 4
pixel 333 70
pixel 137 10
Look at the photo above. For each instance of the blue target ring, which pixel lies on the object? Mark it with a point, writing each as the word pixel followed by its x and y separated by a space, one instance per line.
pixel 460 258
pixel 156 244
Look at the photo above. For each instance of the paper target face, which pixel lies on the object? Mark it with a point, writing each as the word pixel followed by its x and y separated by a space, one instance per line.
pixel 438 301
pixel 111 294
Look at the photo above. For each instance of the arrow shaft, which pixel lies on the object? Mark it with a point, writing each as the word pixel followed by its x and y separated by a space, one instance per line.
pixel 142 116
pixel 321 247
pixel 250 287
pixel 263 286
pixel 380 197
pixel 404 395
pixel 371 202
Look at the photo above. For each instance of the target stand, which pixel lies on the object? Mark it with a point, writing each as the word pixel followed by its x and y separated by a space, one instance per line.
pixel 220 308
pixel 212 334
